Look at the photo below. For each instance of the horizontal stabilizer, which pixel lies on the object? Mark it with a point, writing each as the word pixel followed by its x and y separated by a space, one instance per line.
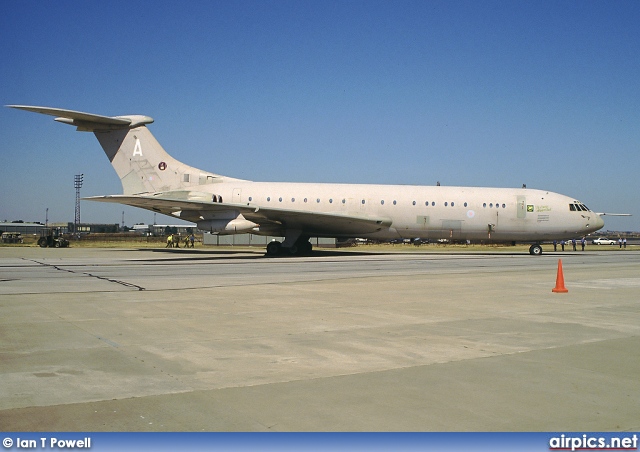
pixel 602 214
pixel 88 121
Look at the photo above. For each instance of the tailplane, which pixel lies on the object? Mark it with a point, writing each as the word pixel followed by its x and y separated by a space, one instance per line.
pixel 139 160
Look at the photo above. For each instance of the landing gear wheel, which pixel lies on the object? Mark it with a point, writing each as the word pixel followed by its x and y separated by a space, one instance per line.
pixel 302 247
pixel 535 250
pixel 273 248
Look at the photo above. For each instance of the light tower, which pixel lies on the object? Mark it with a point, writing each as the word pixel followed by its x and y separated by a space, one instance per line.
pixel 78 185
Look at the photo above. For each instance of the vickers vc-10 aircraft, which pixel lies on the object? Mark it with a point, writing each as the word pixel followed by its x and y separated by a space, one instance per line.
pixel 153 180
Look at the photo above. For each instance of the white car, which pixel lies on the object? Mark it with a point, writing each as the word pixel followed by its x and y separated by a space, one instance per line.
pixel 604 241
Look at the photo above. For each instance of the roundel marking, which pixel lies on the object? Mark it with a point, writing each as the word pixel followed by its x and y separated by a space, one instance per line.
pixel 471 214
pixel 162 166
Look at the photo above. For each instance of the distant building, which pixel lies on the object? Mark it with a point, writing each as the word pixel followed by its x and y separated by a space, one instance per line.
pixel 23 228
pixel 161 230
pixel 257 240
pixel 89 228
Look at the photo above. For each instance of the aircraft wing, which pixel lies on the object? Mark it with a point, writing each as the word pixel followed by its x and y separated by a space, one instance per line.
pixel 312 223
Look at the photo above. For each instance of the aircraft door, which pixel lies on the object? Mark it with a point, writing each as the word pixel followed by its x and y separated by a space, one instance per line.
pixel 237 195
pixel 522 207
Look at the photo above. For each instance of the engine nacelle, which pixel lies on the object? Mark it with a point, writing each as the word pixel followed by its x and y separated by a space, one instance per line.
pixel 237 225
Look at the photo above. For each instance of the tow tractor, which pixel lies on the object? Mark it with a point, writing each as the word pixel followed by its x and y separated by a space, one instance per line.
pixel 51 237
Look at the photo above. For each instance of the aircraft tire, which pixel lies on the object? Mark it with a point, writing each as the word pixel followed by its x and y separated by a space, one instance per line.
pixel 273 248
pixel 535 250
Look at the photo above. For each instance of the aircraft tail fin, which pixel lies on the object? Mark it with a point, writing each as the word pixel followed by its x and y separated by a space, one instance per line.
pixel 139 160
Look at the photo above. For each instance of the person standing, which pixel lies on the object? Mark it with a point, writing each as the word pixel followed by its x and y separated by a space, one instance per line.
pixel 624 243
pixel 583 242
pixel 555 245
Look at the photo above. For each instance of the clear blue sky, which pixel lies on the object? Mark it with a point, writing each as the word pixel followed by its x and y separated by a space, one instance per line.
pixel 481 93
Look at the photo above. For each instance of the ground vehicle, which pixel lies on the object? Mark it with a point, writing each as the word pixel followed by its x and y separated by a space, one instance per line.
pixel 50 237
pixel 11 237
pixel 603 241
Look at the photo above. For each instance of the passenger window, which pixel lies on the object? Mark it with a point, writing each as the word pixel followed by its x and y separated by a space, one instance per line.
pixel 382 202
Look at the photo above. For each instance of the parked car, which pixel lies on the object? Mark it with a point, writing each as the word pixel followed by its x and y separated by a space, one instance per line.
pixel 603 241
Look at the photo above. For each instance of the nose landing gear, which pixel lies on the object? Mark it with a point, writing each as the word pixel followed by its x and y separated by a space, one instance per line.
pixel 535 250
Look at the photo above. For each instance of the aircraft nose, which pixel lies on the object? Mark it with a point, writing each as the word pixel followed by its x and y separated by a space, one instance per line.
pixel 599 223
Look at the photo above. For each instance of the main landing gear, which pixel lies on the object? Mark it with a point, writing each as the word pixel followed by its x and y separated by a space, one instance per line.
pixel 301 247
pixel 535 250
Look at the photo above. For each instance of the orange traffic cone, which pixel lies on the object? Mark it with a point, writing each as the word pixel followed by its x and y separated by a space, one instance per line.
pixel 560 288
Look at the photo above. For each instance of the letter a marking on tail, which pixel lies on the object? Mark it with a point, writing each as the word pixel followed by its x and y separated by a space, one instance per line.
pixel 137 150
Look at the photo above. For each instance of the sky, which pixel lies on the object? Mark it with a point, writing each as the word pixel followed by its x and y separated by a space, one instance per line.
pixel 467 93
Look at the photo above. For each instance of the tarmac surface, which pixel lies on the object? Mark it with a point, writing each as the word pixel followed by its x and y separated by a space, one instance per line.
pixel 212 340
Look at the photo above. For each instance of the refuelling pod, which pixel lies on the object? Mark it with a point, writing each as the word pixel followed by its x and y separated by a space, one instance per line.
pixel 238 225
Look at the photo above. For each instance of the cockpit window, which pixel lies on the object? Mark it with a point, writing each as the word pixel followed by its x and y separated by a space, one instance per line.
pixel 577 207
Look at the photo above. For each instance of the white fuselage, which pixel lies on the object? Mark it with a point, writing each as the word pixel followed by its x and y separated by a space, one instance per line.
pixel 427 212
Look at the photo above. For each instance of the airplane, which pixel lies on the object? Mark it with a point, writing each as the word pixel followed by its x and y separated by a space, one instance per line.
pixel 153 180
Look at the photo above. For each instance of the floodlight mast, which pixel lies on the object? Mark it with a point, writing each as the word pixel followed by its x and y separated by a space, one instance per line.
pixel 78 185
